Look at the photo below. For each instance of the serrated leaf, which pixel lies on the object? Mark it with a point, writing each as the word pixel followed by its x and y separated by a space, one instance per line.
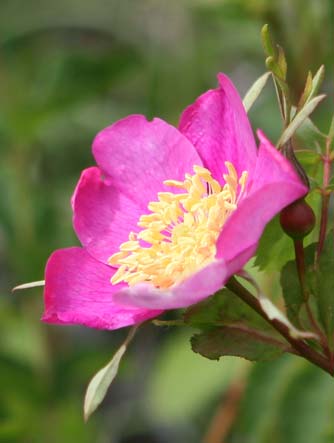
pixel 221 309
pixel 299 119
pixel 324 286
pixel 255 90
pixel 99 384
pixel 235 341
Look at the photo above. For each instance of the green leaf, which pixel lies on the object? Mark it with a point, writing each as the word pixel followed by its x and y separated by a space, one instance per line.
pixel 308 158
pixel 311 394
pixel 286 401
pixel 299 119
pixel 235 341
pixel 309 135
pixel 268 45
pixel 265 386
pixel 99 384
pixel 282 62
pixel 324 286
pixel 312 86
pixel 221 309
pixel 273 66
pixel 307 91
pixel 255 90
pixel 317 81
pixel 331 130
pixel 291 291
pixel 275 248
pixel 291 287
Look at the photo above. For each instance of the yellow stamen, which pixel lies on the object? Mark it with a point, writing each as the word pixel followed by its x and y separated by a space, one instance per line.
pixel 181 231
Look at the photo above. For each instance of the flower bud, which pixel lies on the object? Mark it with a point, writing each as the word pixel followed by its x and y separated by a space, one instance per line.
pixel 298 219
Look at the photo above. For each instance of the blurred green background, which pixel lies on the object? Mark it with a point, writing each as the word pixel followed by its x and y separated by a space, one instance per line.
pixel 68 69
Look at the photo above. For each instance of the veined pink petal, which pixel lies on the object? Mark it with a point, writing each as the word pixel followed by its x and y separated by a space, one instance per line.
pixel 78 291
pixel 138 155
pixel 192 290
pixel 217 125
pixel 275 185
pixel 103 217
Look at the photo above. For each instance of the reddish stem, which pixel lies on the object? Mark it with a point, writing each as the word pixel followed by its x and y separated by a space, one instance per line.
pixel 325 202
pixel 300 346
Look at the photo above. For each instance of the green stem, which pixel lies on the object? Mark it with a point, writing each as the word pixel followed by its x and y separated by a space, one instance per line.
pixel 300 346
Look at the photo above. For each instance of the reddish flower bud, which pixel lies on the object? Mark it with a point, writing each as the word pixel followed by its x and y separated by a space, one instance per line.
pixel 298 219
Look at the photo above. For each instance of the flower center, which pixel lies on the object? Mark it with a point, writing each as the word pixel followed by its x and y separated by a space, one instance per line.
pixel 179 235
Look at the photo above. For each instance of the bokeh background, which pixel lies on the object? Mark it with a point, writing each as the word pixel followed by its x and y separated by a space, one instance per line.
pixel 67 69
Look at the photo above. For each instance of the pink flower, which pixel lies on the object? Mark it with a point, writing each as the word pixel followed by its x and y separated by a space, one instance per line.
pixel 210 193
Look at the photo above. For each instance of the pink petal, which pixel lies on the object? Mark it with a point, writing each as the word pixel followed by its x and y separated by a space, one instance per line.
pixel 275 185
pixel 138 155
pixel 103 217
pixel 218 126
pixel 78 291
pixel 192 290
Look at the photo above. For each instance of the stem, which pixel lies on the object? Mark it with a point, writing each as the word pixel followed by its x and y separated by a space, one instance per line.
pixel 323 224
pixel 300 263
pixel 301 347
pixel 325 202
